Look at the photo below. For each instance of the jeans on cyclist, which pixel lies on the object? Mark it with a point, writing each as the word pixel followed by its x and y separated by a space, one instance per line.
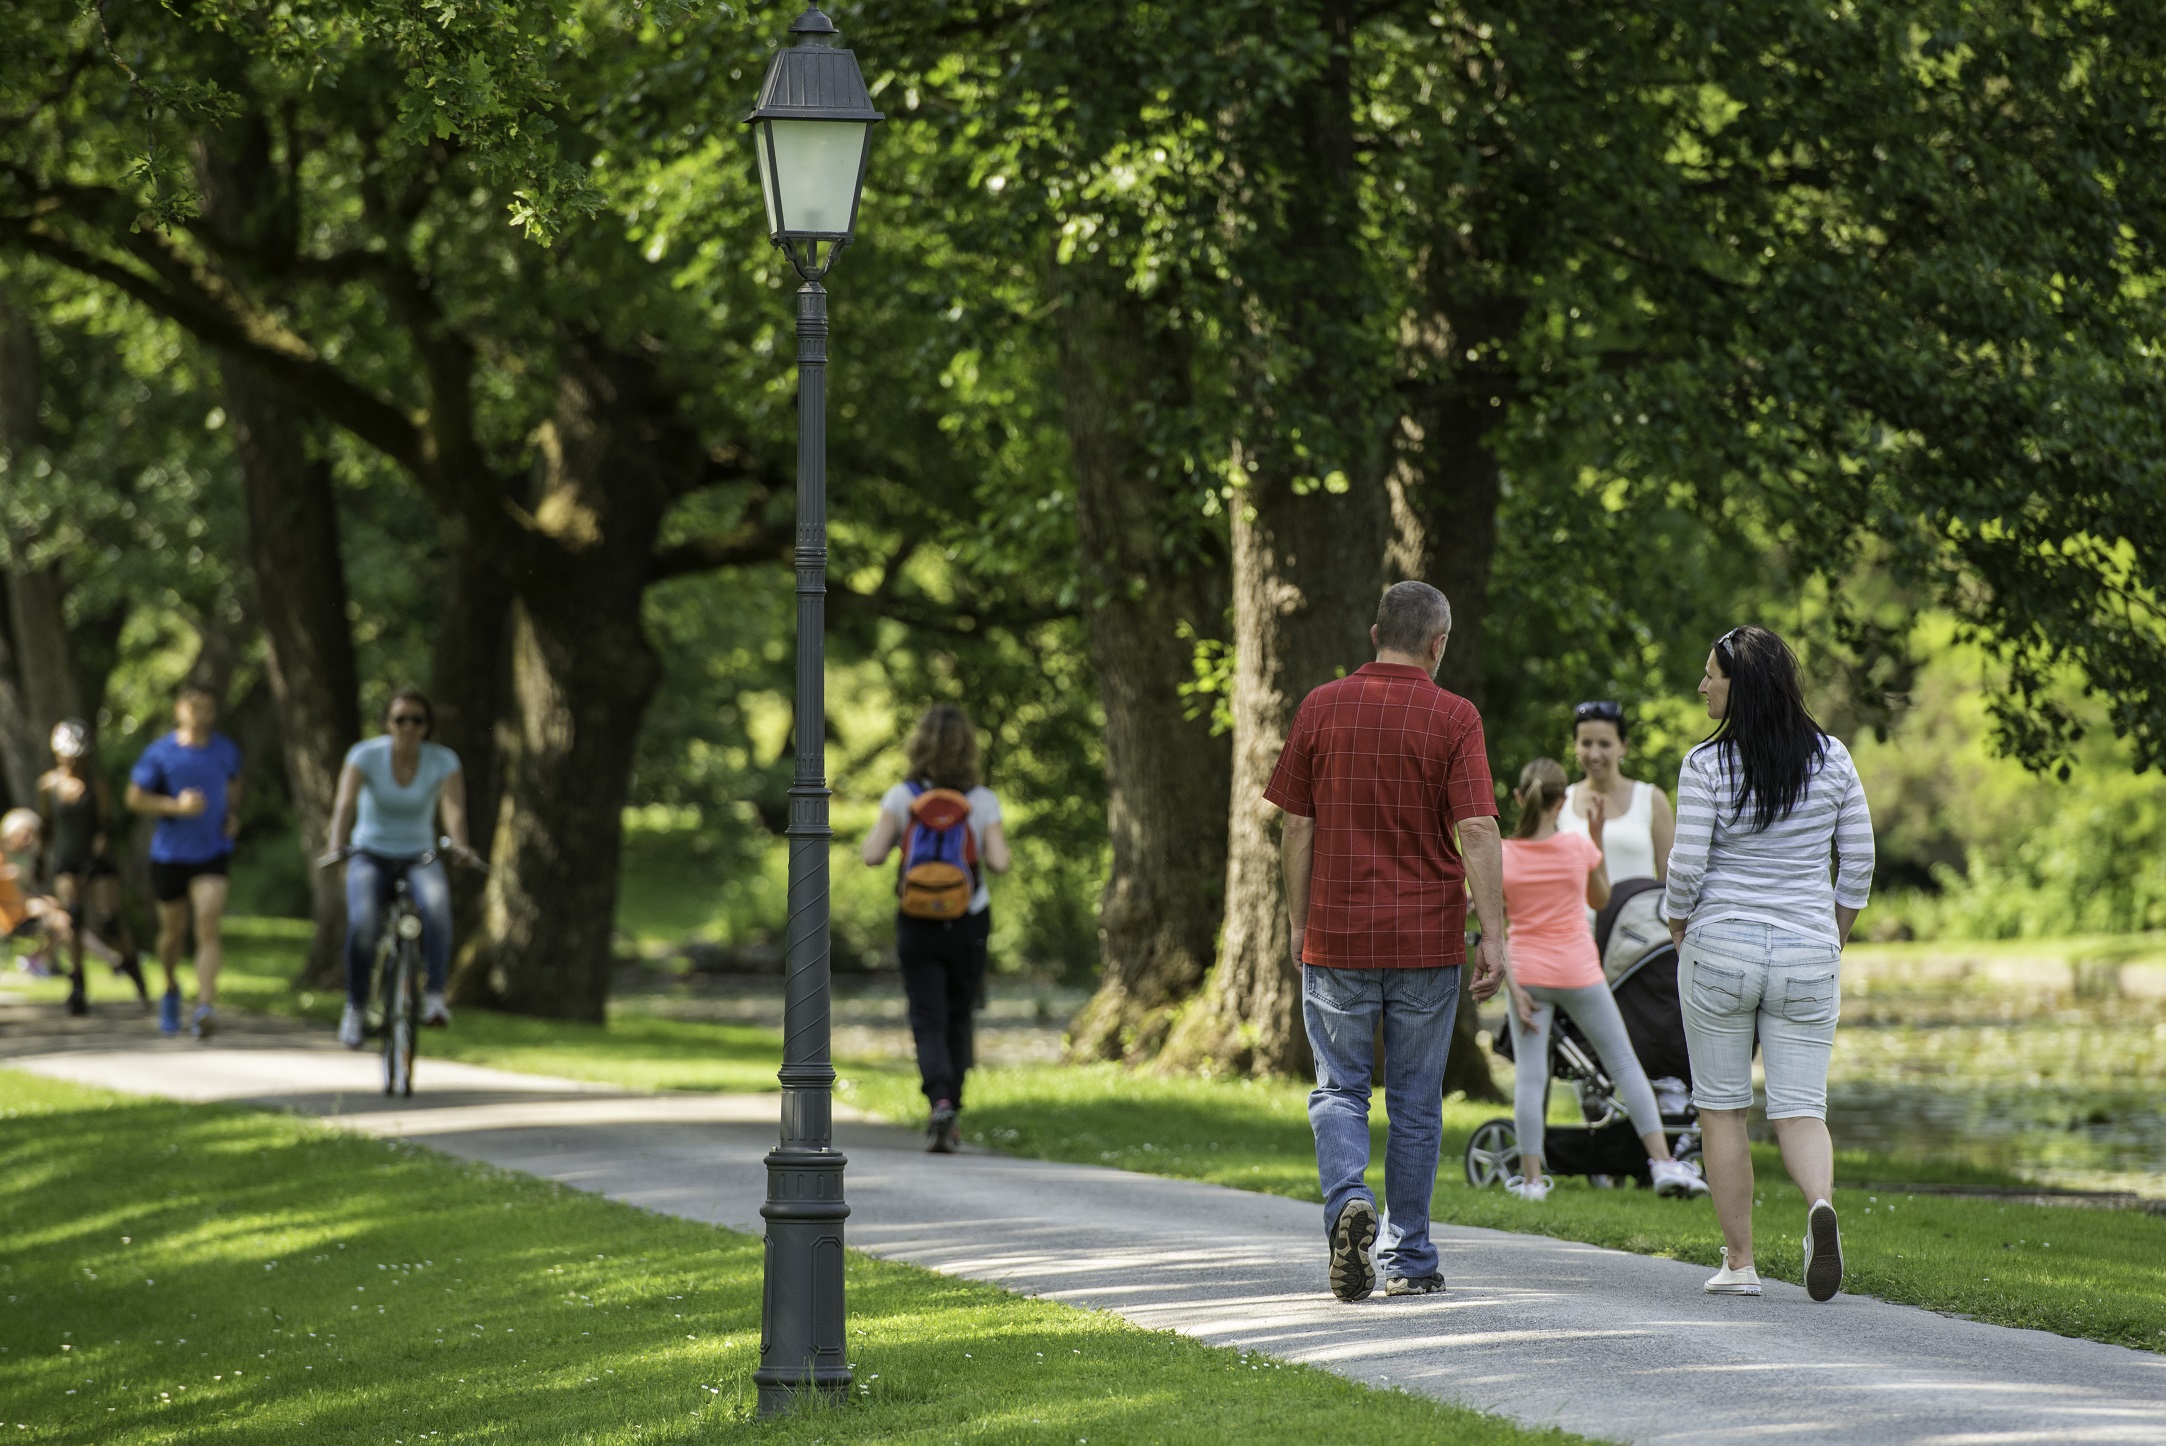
pixel 370 882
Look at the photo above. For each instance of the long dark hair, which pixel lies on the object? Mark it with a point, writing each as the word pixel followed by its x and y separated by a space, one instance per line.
pixel 1766 728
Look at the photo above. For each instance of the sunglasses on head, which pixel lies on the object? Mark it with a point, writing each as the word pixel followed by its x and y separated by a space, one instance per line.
pixel 1726 644
pixel 1598 712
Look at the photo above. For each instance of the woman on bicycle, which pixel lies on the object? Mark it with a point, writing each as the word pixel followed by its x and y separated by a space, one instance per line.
pixel 397 784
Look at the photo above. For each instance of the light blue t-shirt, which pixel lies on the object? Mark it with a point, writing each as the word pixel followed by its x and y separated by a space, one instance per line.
pixel 398 822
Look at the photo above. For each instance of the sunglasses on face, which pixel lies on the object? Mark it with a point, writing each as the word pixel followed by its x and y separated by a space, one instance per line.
pixel 403 720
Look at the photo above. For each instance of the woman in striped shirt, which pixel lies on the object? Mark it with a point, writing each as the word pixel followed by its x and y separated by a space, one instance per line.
pixel 1763 809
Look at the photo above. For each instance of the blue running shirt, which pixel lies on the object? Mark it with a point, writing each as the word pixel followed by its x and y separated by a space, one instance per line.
pixel 170 767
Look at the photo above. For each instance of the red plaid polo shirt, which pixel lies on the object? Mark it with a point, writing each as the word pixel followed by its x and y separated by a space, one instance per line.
pixel 1387 763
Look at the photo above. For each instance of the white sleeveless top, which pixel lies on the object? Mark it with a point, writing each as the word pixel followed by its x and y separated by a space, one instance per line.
pixel 1628 841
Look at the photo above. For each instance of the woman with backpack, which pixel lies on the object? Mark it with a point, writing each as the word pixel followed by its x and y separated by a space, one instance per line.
pixel 947 825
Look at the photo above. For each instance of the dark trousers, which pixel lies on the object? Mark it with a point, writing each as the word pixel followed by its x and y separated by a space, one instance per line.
pixel 942 964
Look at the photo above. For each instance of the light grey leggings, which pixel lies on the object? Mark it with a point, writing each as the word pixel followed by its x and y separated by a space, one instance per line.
pixel 1596 1014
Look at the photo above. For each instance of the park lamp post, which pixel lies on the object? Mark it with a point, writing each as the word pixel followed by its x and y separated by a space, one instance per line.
pixel 811 131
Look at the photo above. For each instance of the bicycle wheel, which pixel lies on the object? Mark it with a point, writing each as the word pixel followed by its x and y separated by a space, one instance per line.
pixel 399 1020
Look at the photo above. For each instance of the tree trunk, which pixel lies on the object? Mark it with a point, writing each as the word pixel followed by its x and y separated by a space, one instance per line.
pixel 293 544
pixel 1444 494
pixel 615 455
pixel 1147 569
pixel 20 755
pixel 22 740
pixel 470 692
pixel 300 589
pixel 1308 546
pixel 1306 570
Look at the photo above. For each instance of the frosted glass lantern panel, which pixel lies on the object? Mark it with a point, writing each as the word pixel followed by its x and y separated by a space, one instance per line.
pixel 815 167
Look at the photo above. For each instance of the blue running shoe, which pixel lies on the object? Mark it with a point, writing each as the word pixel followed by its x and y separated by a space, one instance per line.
pixel 169 1013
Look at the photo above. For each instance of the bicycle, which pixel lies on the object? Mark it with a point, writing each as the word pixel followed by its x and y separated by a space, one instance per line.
pixel 398 973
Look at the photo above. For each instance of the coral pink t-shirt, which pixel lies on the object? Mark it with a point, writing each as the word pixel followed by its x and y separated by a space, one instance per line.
pixel 1545 898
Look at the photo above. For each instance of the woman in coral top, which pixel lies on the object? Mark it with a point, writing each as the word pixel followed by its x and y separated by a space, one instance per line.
pixel 1551 879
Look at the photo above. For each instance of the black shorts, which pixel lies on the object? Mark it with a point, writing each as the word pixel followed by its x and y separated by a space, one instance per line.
pixel 169 882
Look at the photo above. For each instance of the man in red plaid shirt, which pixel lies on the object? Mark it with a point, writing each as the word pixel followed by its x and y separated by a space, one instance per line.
pixel 1379 771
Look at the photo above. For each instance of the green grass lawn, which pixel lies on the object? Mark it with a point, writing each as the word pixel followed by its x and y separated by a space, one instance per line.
pixel 178 1272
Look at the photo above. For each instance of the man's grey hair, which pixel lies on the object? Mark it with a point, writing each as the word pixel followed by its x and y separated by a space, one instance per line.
pixel 1410 617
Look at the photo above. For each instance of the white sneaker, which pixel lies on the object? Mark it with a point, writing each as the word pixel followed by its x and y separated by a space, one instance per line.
pixel 349 1027
pixel 1678 1179
pixel 1530 1190
pixel 1732 1282
pixel 435 1013
pixel 1823 1252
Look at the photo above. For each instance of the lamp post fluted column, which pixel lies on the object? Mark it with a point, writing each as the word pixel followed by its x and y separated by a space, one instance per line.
pixel 802 1342
pixel 811 131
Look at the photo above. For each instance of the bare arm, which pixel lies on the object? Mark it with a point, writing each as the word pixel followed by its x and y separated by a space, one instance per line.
pixel 343 806
pixel 996 847
pixel 451 803
pixel 1845 918
pixel 1598 885
pixel 233 806
pixel 881 841
pixel 1297 857
pixel 164 805
pixel 1664 829
pixel 1482 846
pixel 1598 877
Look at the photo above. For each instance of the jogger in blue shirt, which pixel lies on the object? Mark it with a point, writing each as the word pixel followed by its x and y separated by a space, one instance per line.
pixel 190 781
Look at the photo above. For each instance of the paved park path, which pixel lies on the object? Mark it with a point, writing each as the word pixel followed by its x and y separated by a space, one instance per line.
pixel 1615 1346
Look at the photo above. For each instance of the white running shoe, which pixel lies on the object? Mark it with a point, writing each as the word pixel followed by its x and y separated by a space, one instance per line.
pixel 1823 1252
pixel 1678 1179
pixel 349 1026
pixel 435 1013
pixel 1530 1190
pixel 1732 1282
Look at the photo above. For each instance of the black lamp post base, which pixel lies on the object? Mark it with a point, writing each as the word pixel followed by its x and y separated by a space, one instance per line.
pixel 804 1353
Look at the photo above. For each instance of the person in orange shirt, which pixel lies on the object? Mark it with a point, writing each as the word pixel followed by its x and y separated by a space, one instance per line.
pixel 1551 879
pixel 26 913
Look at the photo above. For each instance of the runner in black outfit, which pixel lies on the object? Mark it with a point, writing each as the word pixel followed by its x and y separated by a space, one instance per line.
pixel 76 805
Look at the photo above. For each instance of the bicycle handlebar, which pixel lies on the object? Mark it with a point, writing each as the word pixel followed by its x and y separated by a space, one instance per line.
pixel 463 856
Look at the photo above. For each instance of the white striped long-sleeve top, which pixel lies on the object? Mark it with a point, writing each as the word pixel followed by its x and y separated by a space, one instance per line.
pixel 1721 867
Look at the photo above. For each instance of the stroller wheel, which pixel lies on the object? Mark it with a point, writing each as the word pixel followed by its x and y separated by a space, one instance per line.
pixel 1492 1154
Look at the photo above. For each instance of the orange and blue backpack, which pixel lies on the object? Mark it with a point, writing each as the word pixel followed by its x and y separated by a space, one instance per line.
pixel 939 854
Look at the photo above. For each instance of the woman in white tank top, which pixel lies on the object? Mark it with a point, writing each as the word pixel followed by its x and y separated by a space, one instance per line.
pixel 1638 825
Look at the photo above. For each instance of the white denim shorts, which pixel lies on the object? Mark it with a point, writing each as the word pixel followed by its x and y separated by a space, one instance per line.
pixel 1735 977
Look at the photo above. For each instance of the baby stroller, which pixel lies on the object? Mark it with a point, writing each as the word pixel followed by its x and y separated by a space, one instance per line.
pixel 1640 964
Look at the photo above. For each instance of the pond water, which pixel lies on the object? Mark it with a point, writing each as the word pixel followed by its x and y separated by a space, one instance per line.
pixel 2051 1067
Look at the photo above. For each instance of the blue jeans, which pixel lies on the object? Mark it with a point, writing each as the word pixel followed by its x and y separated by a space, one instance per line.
pixel 369 882
pixel 1341 1008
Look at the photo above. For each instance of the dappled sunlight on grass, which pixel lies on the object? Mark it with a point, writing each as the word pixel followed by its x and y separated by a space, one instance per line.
pixel 191 1272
